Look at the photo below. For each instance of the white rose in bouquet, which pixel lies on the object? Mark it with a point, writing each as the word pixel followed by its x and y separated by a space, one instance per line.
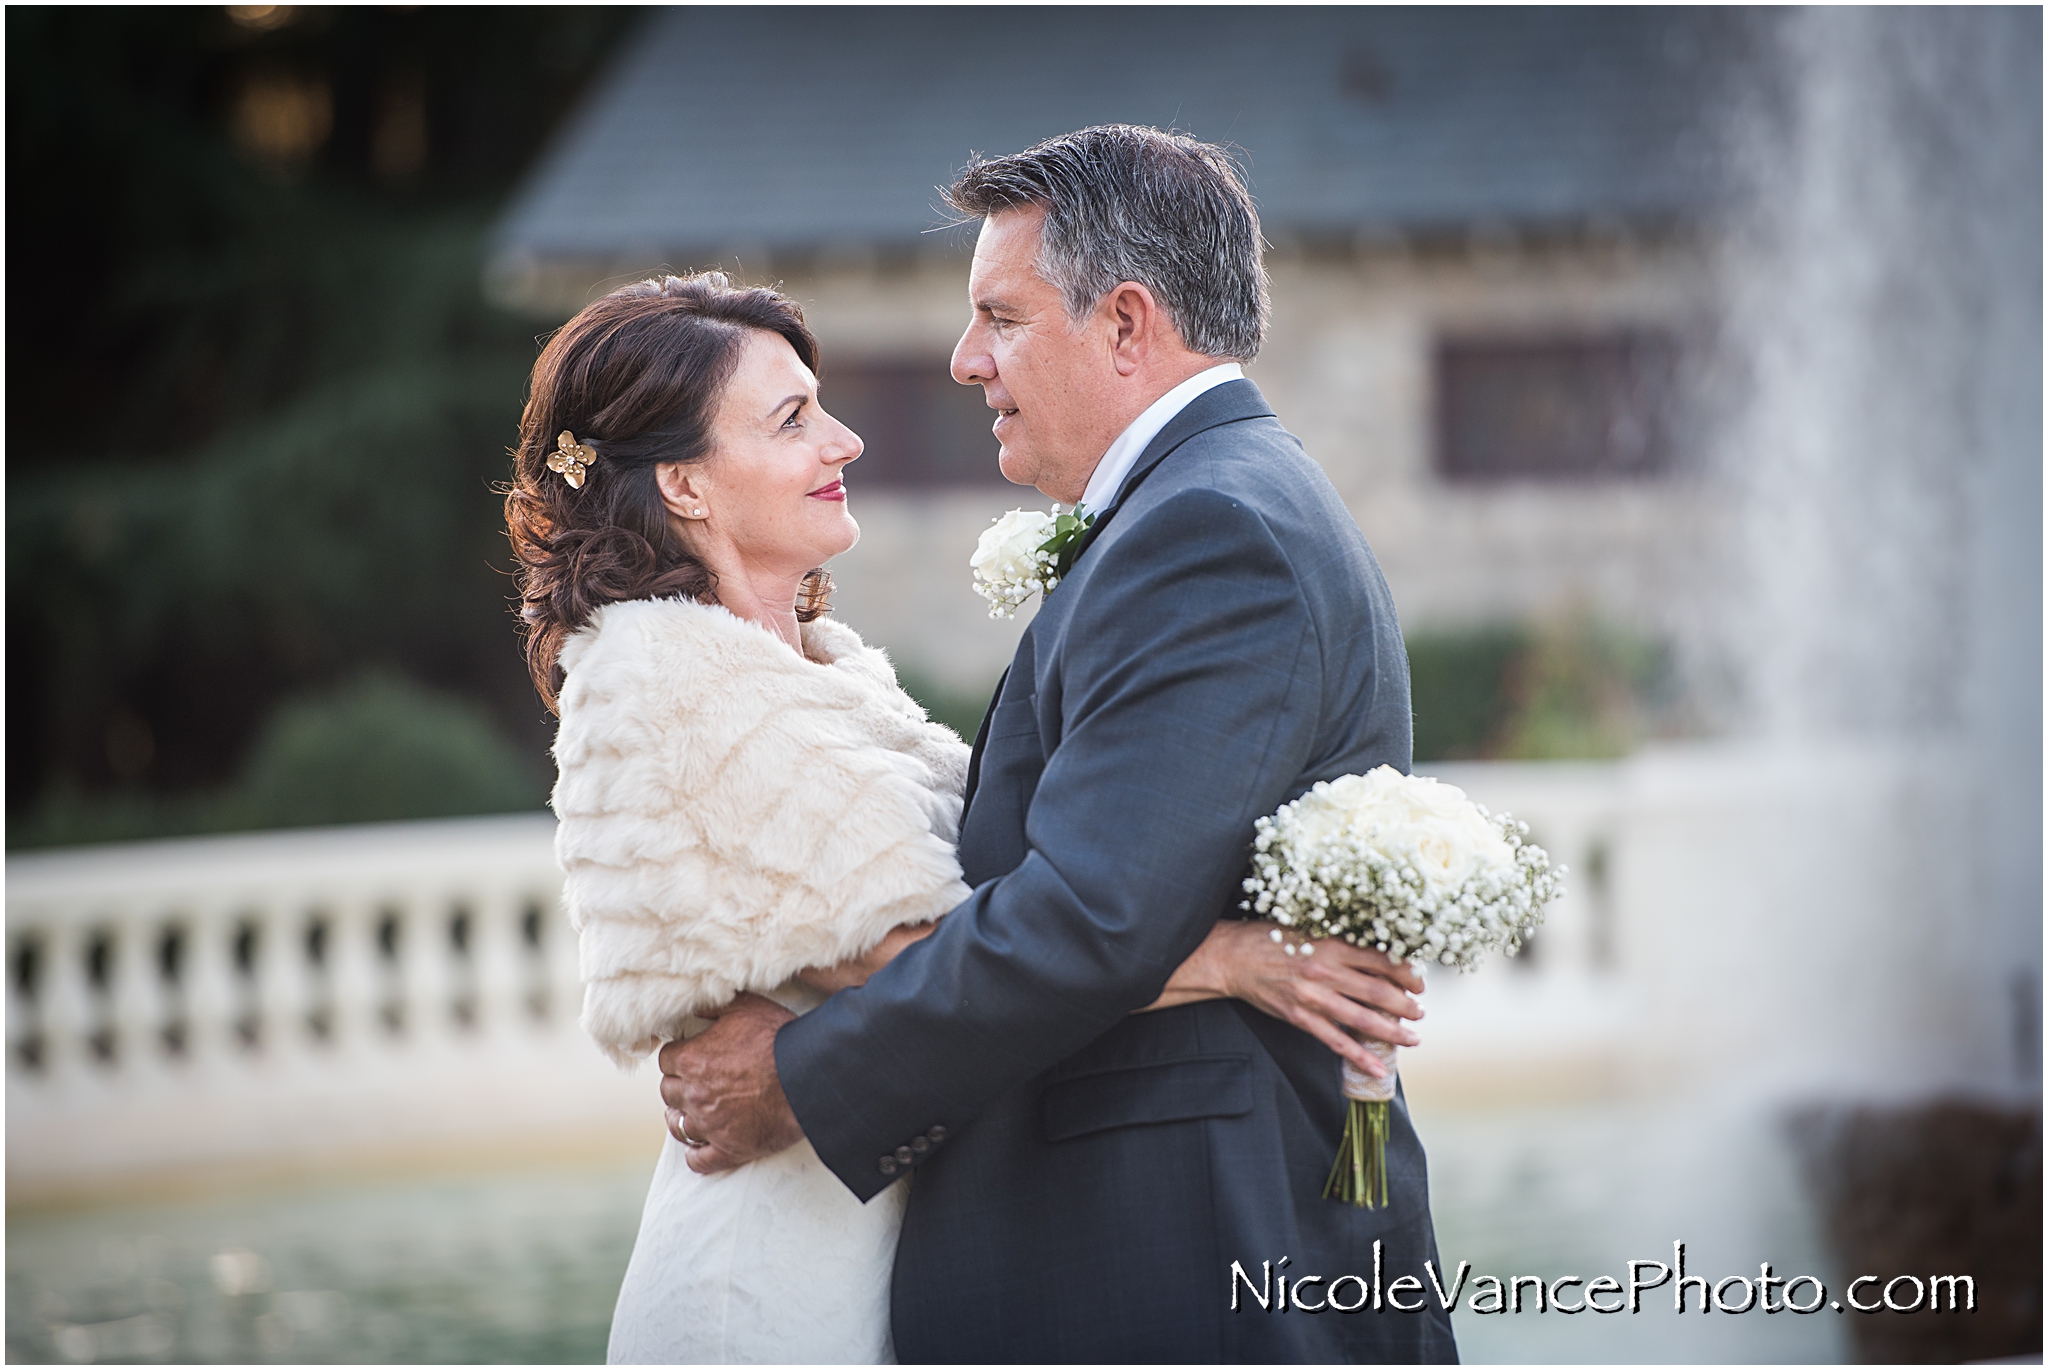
pixel 1410 866
pixel 1425 822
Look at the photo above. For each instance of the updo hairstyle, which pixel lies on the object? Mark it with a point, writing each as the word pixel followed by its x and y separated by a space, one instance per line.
pixel 637 377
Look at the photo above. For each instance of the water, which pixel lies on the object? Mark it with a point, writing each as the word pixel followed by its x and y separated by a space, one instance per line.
pixel 1875 421
pixel 1876 404
pixel 1583 1190
pixel 503 1266
pixel 523 1265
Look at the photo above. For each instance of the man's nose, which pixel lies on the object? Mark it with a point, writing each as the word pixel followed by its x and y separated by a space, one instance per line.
pixel 972 364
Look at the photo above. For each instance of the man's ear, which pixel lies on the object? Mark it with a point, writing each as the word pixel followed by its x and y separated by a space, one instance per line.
pixel 682 490
pixel 1135 320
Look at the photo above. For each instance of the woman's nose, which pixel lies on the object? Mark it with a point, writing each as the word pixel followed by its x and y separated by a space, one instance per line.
pixel 847 447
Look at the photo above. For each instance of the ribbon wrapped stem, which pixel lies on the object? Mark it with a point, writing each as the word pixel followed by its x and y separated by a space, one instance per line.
pixel 1359 1176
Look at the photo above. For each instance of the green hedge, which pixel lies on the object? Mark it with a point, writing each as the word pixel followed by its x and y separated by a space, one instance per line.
pixel 1564 689
pixel 377 748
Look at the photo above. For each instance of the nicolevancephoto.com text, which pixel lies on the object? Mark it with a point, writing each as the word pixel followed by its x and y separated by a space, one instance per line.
pixel 1274 1291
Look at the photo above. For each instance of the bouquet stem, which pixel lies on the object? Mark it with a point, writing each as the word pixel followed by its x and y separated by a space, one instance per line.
pixel 1359 1176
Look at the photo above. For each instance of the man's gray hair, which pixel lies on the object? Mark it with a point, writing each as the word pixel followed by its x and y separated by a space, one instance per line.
pixel 1124 203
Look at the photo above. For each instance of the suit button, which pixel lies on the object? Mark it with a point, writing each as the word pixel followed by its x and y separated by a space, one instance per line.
pixel 905 1155
pixel 937 1134
pixel 920 1144
pixel 887 1165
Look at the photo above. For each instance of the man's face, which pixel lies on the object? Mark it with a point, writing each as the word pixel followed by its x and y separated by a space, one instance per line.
pixel 1050 383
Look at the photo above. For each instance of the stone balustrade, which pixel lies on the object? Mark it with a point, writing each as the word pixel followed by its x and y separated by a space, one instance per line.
pixel 287 997
pixel 294 999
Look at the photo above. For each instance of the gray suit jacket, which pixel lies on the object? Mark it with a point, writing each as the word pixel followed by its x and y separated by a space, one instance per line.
pixel 1085 1177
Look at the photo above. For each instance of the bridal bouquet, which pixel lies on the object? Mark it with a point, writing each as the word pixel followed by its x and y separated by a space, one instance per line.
pixel 1407 865
pixel 1025 552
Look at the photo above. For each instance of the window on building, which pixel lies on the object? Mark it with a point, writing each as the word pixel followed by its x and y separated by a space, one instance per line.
pixel 1555 409
pixel 921 430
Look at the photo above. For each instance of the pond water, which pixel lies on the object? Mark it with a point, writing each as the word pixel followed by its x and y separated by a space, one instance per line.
pixel 495 1267
pixel 1583 1190
pixel 522 1265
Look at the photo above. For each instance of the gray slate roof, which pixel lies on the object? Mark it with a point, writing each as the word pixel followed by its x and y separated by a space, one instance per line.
pixel 797 128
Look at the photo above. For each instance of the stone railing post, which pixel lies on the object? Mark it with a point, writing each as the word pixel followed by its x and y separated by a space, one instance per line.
pixel 136 1009
pixel 495 961
pixel 212 995
pixel 66 1001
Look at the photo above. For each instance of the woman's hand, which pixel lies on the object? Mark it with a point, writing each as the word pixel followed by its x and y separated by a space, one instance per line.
pixel 847 974
pixel 1335 993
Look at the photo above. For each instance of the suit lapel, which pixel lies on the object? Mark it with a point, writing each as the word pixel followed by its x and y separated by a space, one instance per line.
pixel 981 744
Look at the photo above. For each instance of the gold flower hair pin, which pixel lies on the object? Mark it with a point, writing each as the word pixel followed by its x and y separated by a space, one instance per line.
pixel 571 458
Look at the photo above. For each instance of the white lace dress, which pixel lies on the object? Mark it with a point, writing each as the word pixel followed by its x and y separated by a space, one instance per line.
pixel 773 1263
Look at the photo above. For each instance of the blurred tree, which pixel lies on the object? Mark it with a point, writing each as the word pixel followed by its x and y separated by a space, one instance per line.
pixel 381 745
pixel 257 398
pixel 377 746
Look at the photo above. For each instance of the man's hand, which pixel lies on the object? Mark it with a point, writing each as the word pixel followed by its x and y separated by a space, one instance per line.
pixel 725 1102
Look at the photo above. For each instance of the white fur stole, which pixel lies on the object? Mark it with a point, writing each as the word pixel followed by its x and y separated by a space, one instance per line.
pixel 732 813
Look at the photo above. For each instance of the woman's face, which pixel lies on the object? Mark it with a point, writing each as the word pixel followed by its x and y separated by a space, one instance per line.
pixel 769 497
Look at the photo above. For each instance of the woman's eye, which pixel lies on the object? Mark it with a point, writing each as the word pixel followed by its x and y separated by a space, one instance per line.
pixel 795 419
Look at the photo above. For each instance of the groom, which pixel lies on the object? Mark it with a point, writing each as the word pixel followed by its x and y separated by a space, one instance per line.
pixel 1088 1178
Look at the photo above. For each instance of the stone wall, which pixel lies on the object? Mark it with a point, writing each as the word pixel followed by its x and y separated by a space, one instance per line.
pixel 1348 367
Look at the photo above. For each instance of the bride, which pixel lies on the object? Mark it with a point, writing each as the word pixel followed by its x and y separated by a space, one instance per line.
pixel 748 800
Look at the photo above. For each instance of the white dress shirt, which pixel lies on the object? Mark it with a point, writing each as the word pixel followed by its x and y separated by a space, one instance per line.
pixel 1131 443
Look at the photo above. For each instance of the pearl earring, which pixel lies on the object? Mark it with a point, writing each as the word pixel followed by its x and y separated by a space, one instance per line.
pixel 698 512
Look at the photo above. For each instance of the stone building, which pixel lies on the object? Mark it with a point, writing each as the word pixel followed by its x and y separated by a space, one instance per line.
pixel 1489 255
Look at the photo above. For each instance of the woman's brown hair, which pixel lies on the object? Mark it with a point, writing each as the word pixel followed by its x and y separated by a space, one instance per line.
pixel 636 377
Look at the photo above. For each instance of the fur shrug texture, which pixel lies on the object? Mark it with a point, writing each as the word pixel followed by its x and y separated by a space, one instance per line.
pixel 732 813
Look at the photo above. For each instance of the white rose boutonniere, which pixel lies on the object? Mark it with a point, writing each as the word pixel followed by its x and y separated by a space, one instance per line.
pixel 1024 553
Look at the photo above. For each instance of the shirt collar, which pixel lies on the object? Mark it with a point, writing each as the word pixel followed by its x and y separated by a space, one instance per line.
pixel 1116 463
